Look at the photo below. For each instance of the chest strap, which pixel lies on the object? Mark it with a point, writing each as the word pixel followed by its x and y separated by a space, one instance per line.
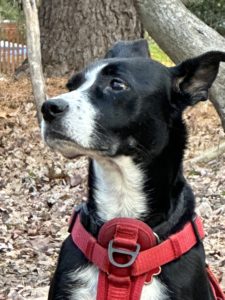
pixel 128 255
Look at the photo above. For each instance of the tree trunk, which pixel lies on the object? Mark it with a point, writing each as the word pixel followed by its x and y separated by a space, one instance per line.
pixel 182 35
pixel 73 33
pixel 34 54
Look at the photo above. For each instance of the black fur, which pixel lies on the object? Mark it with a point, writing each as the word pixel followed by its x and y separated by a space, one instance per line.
pixel 145 122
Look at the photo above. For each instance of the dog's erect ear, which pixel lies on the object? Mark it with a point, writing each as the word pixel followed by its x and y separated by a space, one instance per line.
pixel 137 48
pixel 194 77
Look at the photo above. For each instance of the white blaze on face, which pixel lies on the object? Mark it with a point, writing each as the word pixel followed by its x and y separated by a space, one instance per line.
pixel 79 122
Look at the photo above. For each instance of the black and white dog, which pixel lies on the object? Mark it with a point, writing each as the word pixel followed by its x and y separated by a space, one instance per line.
pixel 125 113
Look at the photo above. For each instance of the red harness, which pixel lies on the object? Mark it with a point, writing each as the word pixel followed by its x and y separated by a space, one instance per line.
pixel 128 255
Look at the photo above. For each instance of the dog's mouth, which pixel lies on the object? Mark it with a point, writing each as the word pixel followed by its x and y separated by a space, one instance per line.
pixel 71 149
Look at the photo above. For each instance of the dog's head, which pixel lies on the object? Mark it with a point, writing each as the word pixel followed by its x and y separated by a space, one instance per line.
pixel 126 102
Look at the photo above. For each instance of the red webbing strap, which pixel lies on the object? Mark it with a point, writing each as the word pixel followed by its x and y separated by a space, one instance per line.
pixel 127 283
pixel 175 246
pixel 92 250
pixel 118 284
pixel 138 286
pixel 217 291
pixel 126 289
pixel 172 248
pixel 115 288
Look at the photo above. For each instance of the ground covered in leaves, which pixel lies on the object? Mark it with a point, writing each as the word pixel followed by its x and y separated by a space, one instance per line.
pixel 38 189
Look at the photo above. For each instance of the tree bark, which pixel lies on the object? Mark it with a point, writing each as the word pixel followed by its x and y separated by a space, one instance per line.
pixel 182 35
pixel 75 32
pixel 34 54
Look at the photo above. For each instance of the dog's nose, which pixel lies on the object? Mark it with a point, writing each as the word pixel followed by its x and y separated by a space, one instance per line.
pixel 52 109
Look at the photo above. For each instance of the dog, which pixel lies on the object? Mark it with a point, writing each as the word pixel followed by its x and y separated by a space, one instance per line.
pixel 125 113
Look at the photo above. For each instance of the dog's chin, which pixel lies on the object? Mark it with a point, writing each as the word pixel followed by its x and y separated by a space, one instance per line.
pixel 72 150
pixel 67 148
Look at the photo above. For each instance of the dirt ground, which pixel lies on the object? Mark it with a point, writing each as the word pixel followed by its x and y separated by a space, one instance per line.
pixel 38 189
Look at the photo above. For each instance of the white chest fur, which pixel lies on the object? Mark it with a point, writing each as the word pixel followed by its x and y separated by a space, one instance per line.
pixel 88 278
pixel 119 189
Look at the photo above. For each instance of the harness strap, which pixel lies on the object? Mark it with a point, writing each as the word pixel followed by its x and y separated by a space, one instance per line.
pixel 124 238
pixel 137 256
pixel 123 288
pixel 92 250
pixel 172 248
pixel 217 291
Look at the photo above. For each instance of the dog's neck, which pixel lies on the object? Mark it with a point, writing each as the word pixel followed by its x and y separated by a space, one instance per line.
pixel 119 189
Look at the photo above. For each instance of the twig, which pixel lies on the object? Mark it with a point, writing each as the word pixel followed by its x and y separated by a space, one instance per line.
pixel 34 54
pixel 208 155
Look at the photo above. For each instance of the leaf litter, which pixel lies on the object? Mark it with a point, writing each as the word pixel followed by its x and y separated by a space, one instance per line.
pixel 39 188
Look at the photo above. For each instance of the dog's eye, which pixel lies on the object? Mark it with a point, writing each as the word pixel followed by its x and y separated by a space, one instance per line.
pixel 118 84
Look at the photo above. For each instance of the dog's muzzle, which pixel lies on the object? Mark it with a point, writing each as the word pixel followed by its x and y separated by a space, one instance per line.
pixel 53 109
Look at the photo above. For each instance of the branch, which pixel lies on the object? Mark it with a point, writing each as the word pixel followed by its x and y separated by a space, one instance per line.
pixel 34 54
pixel 208 155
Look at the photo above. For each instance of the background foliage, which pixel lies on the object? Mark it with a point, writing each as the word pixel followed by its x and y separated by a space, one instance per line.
pixel 11 10
pixel 212 12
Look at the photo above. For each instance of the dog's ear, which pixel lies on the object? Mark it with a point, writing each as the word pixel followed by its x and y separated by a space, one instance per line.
pixel 137 48
pixel 193 77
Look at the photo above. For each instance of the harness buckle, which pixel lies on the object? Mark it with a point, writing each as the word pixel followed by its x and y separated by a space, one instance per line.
pixel 132 254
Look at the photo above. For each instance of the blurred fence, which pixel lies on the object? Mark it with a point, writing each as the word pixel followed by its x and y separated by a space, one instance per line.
pixel 13 50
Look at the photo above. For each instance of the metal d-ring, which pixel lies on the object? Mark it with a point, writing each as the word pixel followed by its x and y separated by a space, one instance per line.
pixel 133 254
